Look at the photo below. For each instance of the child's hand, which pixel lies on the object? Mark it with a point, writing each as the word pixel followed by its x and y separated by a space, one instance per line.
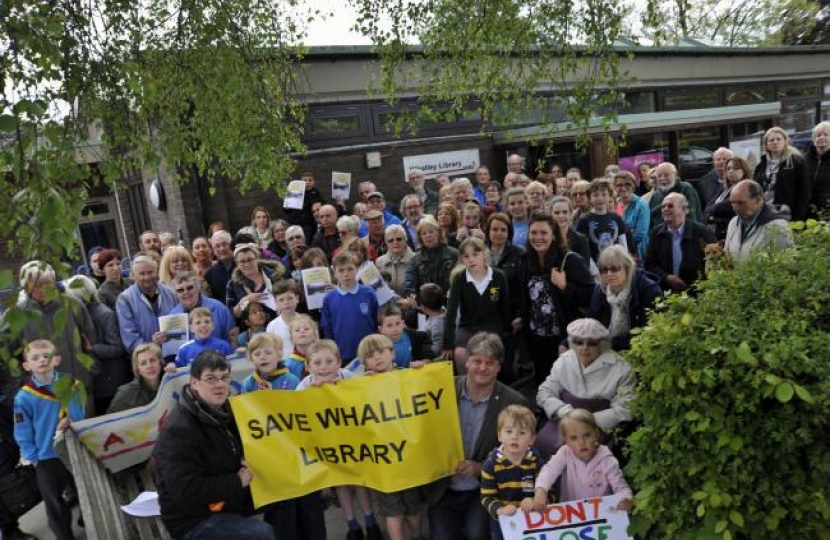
pixel 245 475
pixel 626 505
pixel 264 385
pixel 506 510
pixel 516 324
pixel 527 504
pixel 540 500
pixel 63 425
pixel 416 364
pixel 468 468
pixel 447 355
pixel 159 337
pixel 170 367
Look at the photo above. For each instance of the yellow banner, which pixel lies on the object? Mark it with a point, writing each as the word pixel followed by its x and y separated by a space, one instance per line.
pixel 389 432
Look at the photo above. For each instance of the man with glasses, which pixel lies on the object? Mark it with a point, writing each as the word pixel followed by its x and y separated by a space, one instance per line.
pixel 675 252
pixel 189 294
pixel 413 211
pixel 217 276
pixel 202 479
pixel 375 228
pixel 756 225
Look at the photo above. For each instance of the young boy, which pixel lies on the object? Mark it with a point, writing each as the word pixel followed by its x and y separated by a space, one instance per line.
pixel 411 347
pixel 288 297
pixel 515 200
pixel 377 354
pixel 270 372
pixel 350 311
pixel 38 417
pixel 431 304
pixel 201 326
pixel 604 228
pixel 508 476
pixel 324 366
pixel 301 517
pixel 303 333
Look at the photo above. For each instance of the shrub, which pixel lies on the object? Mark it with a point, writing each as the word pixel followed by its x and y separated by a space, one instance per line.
pixel 734 403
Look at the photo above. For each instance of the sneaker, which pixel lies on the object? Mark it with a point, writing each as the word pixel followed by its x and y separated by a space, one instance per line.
pixel 355 534
pixel 373 532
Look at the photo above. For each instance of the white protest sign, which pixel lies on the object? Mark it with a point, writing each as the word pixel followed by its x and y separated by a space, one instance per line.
pixel 452 163
pixel 588 519
pixel 341 185
pixel 294 195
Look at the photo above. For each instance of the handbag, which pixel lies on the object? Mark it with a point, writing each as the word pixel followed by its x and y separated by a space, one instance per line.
pixel 18 490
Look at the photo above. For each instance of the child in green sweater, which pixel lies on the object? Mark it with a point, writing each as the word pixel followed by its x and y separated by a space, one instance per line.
pixel 479 299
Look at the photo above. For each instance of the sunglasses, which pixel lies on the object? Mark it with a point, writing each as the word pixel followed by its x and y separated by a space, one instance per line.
pixel 609 269
pixel 578 342
pixel 185 289
pixel 391 240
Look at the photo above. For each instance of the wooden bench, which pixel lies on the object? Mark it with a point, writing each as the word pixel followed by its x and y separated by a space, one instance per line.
pixel 101 495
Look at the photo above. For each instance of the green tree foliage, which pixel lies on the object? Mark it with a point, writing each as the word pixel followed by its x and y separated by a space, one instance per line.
pixel 805 22
pixel 489 57
pixel 734 397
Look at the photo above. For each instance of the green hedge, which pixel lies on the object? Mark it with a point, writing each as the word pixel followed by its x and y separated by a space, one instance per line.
pixel 734 401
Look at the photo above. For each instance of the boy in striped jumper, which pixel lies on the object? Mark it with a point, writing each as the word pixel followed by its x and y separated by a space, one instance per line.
pixel 509 473
pixel 39 415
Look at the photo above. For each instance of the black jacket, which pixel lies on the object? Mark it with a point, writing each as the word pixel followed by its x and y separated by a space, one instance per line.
pixel 644 291
pixel 304 217
pixel 659 258
pixel 578 243
pixel 113 364
pixel 421 344
pixel 198 455
pixel 792 185
pixel 425 269
pixel 819 167
pixel 707 186
pixel 718 214
pixel 510 262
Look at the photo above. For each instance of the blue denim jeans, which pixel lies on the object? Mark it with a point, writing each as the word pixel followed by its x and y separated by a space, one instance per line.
pixel 227 525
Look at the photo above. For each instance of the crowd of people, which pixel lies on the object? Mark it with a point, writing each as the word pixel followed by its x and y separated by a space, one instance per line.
pixel 553 273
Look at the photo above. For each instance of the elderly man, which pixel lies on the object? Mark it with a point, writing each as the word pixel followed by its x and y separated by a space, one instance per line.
pixel 149 241
pixel 757 226
pixel 203 482
pixel 515 163
pixel 375 235
pixel 217 276
pixel 455 510
pixel 462 191
pixel 668 182
pixel 189 294
pixel 327 237
pixel 675 251
pixel 429 198
pixel 376 201
pixel 413 211
pixel 140 306
pixel 71 338
pixel 710 184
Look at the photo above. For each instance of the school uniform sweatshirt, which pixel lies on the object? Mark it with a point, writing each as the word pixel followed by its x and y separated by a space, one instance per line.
pixel 490 309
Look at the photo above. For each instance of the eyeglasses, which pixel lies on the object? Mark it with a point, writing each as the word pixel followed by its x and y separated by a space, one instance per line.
pixel 393 240
pixel 622 186
pixel 609 269
pixel 411 206
pixel 579 342
pixel 246 261
pixel 186 289
pixel 210 380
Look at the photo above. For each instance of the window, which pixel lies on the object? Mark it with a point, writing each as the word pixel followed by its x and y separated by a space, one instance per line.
pixel 798 116
pixel 696 148
pixel 690 98
pixel 747 94
pixel 336 124
pixel 98 225
pixel 329 126
pixel 798 90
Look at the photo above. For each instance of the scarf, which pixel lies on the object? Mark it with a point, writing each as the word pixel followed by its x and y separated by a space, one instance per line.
pixel 264 383
pixel 620 323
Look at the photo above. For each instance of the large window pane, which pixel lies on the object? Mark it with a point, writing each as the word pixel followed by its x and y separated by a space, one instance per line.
pixel 798 89
pixel 747 94
pixel 334 125
pixel 652 148
pixel 696 147
pixel 799 116
pixel 690 98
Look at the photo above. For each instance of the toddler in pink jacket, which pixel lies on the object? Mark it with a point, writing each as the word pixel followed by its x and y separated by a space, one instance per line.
pixel 588 469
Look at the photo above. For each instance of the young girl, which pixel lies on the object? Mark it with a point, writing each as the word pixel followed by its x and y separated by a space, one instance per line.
pixel 587 468
pixel 304 332
pixel 470 222
pixel 479 293
pixel 256 319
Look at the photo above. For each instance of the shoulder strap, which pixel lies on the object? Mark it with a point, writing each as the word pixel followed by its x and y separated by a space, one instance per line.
pixel 564 260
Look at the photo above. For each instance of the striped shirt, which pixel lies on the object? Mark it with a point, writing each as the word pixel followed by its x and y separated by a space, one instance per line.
pixel 503 482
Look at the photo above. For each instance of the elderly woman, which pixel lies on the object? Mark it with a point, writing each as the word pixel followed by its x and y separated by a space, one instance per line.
pixel 537 195
pixel 107 350
pixel 202 255
pixel 784 175
pixel 249 282
pixel 555 284
pixel 397 257
pixel 588 376
pixel 278 245
pixel 719 212
pixel 624 295
pixel 580 198
pixel 147 368
pixel 114 281
pixel 433 263
pixel 633 210
pixel 176 260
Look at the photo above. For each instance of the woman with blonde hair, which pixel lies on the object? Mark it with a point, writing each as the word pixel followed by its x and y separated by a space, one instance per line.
pixel 176 260
pixel 818 160
pixel 783 174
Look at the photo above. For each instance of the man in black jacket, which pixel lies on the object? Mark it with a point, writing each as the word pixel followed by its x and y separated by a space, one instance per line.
pixel 203 482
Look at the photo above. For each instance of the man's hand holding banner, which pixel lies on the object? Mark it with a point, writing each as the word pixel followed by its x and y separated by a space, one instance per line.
pixel 389 432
